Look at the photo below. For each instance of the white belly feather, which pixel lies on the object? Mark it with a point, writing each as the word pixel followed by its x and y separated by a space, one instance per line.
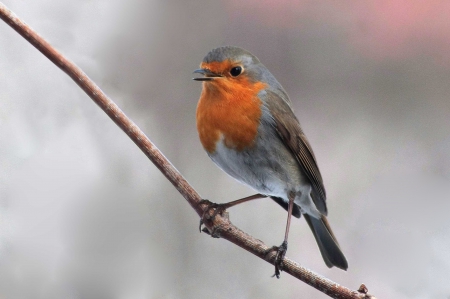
pixel 270 169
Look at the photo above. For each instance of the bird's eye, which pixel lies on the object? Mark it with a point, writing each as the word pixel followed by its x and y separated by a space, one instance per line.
pixel 236 71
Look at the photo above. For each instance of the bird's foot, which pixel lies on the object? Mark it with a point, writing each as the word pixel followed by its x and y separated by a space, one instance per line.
pixel 207 216
pixel 280 253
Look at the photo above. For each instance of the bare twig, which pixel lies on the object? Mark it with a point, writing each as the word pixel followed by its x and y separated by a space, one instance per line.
pixel 220 225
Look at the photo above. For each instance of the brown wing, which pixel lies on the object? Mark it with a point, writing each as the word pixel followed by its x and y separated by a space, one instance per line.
pixel 288 128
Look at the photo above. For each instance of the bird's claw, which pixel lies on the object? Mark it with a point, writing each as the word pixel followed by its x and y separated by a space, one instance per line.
pixel 218 209
pixel 278 262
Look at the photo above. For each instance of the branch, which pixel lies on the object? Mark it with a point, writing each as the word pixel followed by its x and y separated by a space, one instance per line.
pixel 220 226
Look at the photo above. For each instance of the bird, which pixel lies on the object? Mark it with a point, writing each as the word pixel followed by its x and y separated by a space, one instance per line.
pixel 247 126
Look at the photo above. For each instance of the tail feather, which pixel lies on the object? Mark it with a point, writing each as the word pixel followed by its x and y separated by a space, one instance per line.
pixel 285 205
pixel 328 245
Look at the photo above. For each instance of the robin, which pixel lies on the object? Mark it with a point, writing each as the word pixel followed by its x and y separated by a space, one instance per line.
pixel 248 128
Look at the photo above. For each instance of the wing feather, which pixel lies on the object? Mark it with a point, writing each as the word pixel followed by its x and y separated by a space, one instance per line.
pixel 291 134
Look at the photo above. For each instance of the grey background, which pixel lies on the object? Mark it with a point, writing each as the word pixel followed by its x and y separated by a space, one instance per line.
pixel 84 214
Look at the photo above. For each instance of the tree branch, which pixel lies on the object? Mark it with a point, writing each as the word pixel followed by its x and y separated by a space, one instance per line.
pixel 220 226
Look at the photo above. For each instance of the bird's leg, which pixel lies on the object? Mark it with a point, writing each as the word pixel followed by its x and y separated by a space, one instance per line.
pixel 281 251
pixel 220 208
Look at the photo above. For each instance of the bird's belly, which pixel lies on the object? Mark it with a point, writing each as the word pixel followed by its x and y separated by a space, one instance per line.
pixel 268 168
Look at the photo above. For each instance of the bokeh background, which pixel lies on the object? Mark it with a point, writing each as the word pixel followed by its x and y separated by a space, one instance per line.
pixel 84 214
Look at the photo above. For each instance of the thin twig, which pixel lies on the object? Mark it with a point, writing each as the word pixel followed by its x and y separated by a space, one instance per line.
pixel 220 225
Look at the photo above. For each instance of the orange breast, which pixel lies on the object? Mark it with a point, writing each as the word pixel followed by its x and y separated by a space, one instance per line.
pixel 231 109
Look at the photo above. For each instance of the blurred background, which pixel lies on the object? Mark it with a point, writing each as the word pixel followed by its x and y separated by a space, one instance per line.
pixel 84 214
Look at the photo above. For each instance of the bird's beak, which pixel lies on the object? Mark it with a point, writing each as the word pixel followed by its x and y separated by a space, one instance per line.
pixel 209 76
